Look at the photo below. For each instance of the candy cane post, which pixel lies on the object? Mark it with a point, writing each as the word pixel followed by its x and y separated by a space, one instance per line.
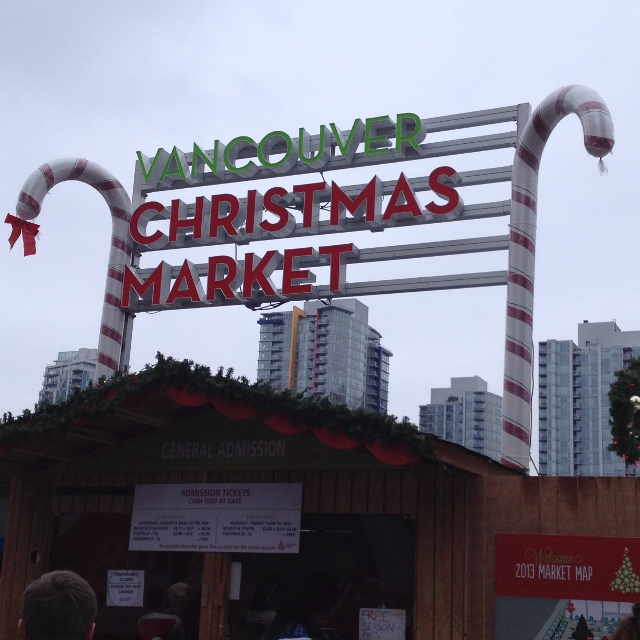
pixel 598 141
pixel 114 320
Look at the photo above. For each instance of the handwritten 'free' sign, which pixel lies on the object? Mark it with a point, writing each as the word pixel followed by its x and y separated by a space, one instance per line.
pixel 382 624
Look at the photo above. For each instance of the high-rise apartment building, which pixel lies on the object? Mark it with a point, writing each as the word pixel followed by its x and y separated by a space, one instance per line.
pixel 573 383
pixel 467 414
pixel 326 350
pixel 72 370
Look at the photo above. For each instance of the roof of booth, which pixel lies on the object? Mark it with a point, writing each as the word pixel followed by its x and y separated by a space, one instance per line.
pixel 171 393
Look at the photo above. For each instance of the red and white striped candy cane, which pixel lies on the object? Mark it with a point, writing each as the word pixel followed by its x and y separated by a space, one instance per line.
pixel 518 365
pixel 38 184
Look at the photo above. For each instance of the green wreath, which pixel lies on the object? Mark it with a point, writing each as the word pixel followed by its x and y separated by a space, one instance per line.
pixel 624 408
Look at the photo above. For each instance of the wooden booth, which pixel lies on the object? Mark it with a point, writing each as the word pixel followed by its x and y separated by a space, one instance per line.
pixel 388 519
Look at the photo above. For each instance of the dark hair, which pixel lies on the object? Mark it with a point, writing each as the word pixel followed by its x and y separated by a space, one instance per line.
pixel 58 606
pixel 628 629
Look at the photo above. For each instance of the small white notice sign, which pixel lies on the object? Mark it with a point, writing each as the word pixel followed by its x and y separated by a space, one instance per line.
pixel 125 588
pixel 382 624
pixel 244 517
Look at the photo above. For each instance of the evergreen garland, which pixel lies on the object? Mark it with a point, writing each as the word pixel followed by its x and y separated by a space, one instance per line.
pixel 624 409
pixel 104 397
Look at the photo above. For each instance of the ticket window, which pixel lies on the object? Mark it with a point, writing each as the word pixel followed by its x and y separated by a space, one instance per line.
pixel 346 563
pixel 94 544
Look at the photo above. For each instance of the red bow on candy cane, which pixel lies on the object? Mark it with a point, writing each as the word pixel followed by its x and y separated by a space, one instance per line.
pixel 28 230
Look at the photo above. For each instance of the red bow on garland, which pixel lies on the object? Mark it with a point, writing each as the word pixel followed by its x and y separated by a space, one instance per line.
pixel 29 230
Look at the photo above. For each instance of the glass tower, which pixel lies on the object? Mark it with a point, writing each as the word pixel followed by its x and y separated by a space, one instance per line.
pixel 573 383
pixel 71 371
pixel 467 414
pixel 326 350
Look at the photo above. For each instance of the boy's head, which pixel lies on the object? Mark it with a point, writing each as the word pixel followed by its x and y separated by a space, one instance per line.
pixel 58 606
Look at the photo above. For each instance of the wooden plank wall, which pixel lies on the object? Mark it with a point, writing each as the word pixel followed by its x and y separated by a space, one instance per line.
pixel 539 505
pixel 34 501
pixel 441 555
pixel 27 544
pixel 457 517
pixel 213 614
pixel 392 491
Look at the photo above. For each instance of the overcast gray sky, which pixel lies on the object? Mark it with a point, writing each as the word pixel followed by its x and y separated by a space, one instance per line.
pixel 104 80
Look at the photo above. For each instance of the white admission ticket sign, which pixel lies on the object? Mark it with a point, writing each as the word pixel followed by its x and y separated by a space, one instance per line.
pixel 244 517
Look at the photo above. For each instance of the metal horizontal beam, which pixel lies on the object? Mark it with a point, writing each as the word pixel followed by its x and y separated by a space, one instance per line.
pixel 473 144
pixel 431 283
pixel 472 119
pixel 383 254
pixel 438 124
pixel 401 285
pixel 470 212
pixel 434 249
pixel 472 178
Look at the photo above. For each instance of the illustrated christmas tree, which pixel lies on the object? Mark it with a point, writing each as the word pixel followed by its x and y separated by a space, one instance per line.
pixel 582 631
pixel 626 579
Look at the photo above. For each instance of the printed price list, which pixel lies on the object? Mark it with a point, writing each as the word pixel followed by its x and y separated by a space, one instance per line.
pixel 178 530
pixel 245 517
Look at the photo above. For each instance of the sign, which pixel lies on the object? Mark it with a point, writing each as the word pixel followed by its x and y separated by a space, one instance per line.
pixel 382 624
pixel 312 153
pixel 125 588
pixel 249 518
pixel 316 207
pixel 225 218
pixel 195 446
pixel 577 567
